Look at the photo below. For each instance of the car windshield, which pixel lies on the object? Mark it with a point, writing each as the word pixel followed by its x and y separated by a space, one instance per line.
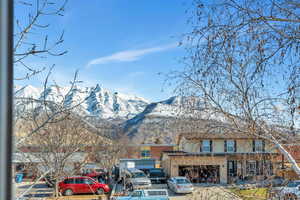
pixel 293 184
pixel 138 175
pixel 157 172
pixel 157 193
pixel 182 181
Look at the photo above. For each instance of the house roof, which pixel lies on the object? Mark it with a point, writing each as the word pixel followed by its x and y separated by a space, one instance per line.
pixel 209 129
pixel 182 153
pixel 294 150
pixel 212 129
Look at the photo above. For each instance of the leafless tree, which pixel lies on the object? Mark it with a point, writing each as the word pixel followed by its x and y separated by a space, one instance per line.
pixel 109 153
pixel 31 34
pixel 43 118
pixel 62 147
pixel 242 65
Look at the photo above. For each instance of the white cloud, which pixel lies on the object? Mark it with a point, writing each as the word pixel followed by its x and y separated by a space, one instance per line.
pixel 129 55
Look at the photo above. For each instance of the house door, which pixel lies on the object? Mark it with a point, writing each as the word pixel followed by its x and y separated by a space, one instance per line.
pixel 232 168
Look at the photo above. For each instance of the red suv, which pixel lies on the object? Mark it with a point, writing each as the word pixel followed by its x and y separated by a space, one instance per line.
pixel 80 185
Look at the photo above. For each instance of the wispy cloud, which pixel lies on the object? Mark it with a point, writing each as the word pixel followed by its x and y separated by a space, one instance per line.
pixel 129 55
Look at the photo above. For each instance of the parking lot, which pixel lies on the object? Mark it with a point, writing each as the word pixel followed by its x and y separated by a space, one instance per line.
pixel 41 192
pixel 216 192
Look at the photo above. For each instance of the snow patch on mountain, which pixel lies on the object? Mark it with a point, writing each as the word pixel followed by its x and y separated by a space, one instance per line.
pixel 92 101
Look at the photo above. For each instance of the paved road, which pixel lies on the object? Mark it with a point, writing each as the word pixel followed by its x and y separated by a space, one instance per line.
pixel 201 193
pixel 211 193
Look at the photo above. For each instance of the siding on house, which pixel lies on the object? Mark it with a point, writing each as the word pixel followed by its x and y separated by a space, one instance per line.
pixel 218 146
pixel 242 146
pixel 270 148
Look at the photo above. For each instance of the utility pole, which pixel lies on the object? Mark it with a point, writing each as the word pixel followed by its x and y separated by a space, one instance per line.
pixel 6 97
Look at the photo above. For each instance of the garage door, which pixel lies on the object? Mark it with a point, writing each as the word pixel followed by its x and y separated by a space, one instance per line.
pixel 201 173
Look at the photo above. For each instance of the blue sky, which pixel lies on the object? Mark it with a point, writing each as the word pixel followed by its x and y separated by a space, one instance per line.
pixel 120 44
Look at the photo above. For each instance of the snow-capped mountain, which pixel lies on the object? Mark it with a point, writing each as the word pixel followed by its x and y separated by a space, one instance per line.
pixel 165 119
pixel 89 101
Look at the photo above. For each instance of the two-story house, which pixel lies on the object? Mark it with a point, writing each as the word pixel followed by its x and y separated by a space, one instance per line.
pixel 220 158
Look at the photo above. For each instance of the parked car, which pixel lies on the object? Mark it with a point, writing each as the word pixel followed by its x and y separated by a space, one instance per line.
pixel 136 179
pixel 180 184
pixel 290 191
pixel 92 172
pixel 80 185
pixel 275 181
pixel 98 174
pixel 157 175
pixel 147 194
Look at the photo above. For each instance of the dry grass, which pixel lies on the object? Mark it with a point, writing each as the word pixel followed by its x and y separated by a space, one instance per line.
pixel 252 194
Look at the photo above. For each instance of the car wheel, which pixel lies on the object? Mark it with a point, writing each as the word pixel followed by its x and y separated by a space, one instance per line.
pixel 100 191
pixel 290 197
pixel 68 192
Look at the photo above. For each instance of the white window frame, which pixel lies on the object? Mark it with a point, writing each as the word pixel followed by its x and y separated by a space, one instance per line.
pixel 227 146
pixel 258 146
pixel 251 167
pixel 204 148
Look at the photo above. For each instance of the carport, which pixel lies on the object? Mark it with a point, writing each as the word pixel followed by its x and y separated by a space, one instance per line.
pixel 201 173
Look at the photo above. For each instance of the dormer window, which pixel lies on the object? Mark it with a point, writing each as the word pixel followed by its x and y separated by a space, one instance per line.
pixel 206 145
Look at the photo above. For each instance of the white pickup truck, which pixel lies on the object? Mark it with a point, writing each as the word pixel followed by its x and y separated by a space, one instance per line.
pixel 147 194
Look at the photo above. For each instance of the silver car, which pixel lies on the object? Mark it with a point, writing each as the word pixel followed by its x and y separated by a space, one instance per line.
pixel 136 179
pixel 180 184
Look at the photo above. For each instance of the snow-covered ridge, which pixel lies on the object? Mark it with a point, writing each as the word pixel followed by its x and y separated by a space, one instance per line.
pixel 94 101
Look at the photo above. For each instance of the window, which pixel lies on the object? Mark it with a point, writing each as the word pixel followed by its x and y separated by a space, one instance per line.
pixel 251 168
pixel 182 181
pixel 88 181
pixel 258 146
pixel 268 166
pixel 259 167
pixel 293 184
pixel 232 167
pixel 230 146
pixel 206 146
pixel 69 181
pixel 157 193
pixel 79 181
pixel 138 175
pixel 136 194
pixel 145 153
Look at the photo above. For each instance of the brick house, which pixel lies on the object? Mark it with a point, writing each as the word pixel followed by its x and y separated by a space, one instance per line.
pixel 220 158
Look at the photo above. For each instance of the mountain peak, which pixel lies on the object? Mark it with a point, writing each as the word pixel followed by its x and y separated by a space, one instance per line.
pixel 94 101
